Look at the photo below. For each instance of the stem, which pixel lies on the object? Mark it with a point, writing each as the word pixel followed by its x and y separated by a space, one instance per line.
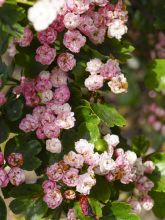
pixel 25 2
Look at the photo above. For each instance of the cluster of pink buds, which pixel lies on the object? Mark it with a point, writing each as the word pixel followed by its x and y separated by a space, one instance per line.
pixel 155 118
pixel 159 50
pixel 48 94
pixel 109 71
pixel 113 164
pixel 15 175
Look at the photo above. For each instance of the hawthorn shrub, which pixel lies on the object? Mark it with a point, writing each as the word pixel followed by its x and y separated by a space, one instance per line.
pixel 64 71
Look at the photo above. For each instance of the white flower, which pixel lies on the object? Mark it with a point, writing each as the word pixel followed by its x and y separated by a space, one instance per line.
pixel 84 147
pixel 106 164
pixel 71 21
pixel 85 183
pixel 149 166
pixel 118 84
pixel 131 157
pixel 45 75
pixel 93 66
pixel 117 29
pixel 74 160
pixel 94 82
pixel 112 139
pixel 54 145
pixel 46 96
pixel 44 12
pixel 66 120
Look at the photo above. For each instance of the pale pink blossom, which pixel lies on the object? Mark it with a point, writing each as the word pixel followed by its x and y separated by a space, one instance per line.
pixel 54 145
pixel 84 147
pixel 40 133
pixel 147 202
pixel 55 172
pixel 131 157
pixel 93 66
pixel 149 166
pixel 66 61
pixel 45 54
pixel 62 94
pixel 74 40
pixel 16 176
pixel 2 2
pixel 78 6
pixel 110 69
pixel 46 96
pixel 4 180
pixel 117 29
pixel 70 177
pixel 71 215
pixel 112 139
pixel 92 159
pixel 1 159
pixel 15 160
pixel 100 3
pixel 66 120
pixel 29 123
pixel 85 183
pixel 144 184
pixel 59 109
pixel 86 25
pixel 27 38
pixel 97 36
pixel 94 82
pixel 47 36
pixel 71 21
pixel 43 83
pixel 51 130
pixel 74 160
pixel 53 198
pixel 48 186
pixel 136 206
pixel 58 77
pixel 118 84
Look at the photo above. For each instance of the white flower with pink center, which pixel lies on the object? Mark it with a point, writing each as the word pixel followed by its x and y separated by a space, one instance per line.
pixel 94 82
pixel 71 21
pixel 84 147
pixel 118 84
pixel 54 145
pixel 93 66
pixel 117 29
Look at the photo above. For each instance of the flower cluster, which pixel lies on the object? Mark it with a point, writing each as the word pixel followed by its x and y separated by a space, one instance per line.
pixel 15 175
pixel 109 71
pixel 48 94
pixel 155 117
pixel 79 169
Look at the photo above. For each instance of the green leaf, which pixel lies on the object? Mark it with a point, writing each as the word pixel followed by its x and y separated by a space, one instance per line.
pixel 101 191
pixel 19 206
pixel 96 207
pixel 28 147
pixel 155 78
pixel 109 115
pixel 101 145
pixel 14 109
pixel 79 213
pixel 3 210
pixel 140 145
pixel 80 73
pixel 158 176
pixel 89 129
pixel 4 130
pixel 26 191
pixel 120 211
pixel 159 204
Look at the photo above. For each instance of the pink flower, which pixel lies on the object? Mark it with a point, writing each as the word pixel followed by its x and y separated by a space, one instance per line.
pixel 15 159
pixel 73 40
pixel 46 96
pixel 74 160
pixel 2 2
pixel 58 77
pixel 66 61
pixel 4 180
pixel 86 25
pixel 71 215
pixel 2 98
pixel 147 202
pixel 45 54
pixel 71 21
pixel 110 69
pixel 93 66
pixel 92 159
pixel 16 176
pixel 51 130
pixel 40 133
pixel 70 177
pixel 54 145
pixel 53 198
pixel 48 185
pixel 144 184
pixel 47 36
pixel 55 172
pixel 78 6
pixel 58 24
pixel 94 82
pixel 97 36
pixel 27 38
pixel 43 82
pixel 29 123
pixel 59 109
pixel 62 94
pixel 137 208
pixel 66 120
pixel 38 112
pixel 149 166
pixel 1 159
pixel 100 3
